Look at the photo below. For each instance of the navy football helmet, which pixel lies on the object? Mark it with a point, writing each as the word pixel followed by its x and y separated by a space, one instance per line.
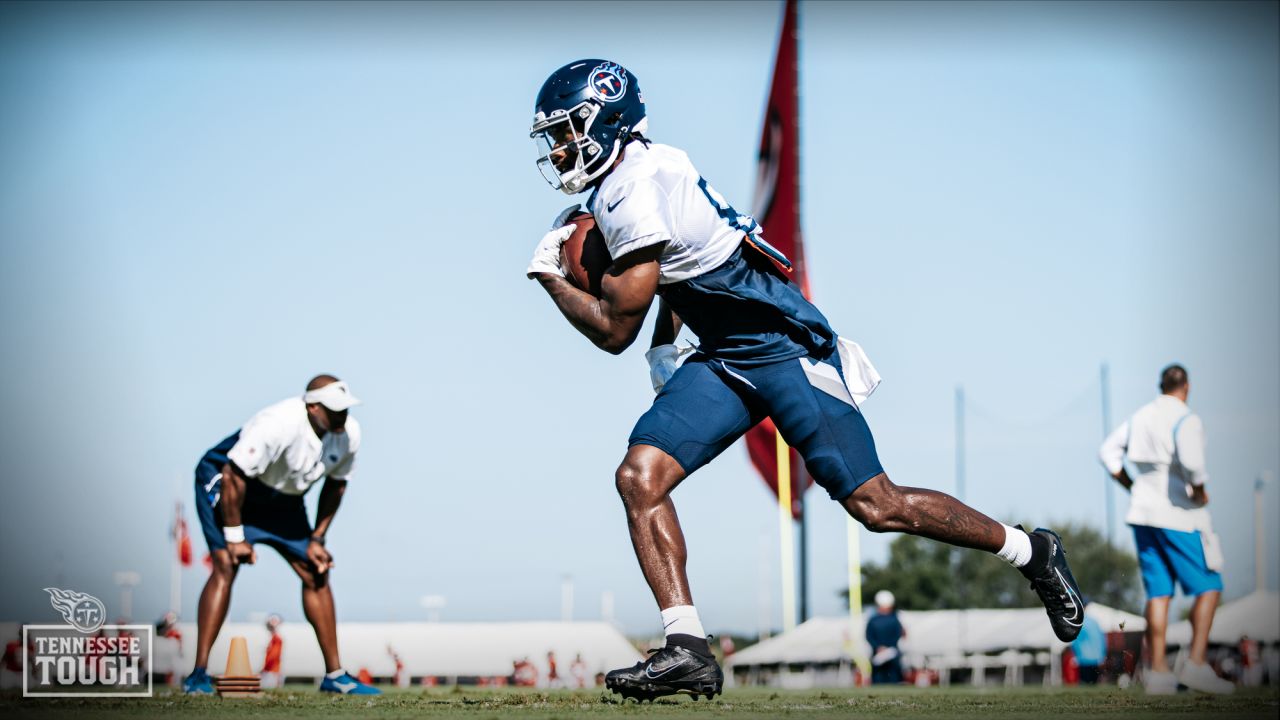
pixel 584 114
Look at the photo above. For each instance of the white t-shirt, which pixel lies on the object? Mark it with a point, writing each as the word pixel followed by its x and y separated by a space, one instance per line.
pixel 1165 442
pixel 655 195
pixel 278 447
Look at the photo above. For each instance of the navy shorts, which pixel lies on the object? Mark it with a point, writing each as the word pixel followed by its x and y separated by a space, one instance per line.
pixel 268 516
pixel 1168 555
pixel 707 405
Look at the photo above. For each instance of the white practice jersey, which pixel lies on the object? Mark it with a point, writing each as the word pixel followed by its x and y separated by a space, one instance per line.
pixel 655 195
pixel 1165 442
pixel 278 447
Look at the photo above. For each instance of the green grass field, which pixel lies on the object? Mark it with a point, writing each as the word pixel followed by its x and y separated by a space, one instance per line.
pixel 1032 704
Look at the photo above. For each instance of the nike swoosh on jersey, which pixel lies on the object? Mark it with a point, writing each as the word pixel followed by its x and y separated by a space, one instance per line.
pixel 615 203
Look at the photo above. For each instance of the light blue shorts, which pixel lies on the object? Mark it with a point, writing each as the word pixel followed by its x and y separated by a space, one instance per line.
pixel 1168 555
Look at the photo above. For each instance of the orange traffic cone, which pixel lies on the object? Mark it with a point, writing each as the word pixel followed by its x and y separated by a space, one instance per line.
pixel 239 680
pixel 238 660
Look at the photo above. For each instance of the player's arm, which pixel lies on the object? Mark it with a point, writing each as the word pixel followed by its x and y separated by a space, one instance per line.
pixel 233 490
pixel 1199 495
pixel 330 498
pixel 613 320
pixel 667 327
pixel 663 355
pixel 1189 444
pixel 1111 454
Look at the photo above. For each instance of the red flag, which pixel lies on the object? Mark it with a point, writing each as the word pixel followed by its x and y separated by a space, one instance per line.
pixel 181 538
pixel 777 208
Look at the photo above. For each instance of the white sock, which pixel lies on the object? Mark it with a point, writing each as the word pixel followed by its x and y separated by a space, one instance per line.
pixel 683 620
pixel 1017 547
pixel 336 674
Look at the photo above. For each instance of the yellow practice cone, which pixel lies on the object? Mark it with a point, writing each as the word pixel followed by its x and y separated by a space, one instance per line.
pixel 238 660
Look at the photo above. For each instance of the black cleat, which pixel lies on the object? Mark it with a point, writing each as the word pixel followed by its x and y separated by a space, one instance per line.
pixel 668 671
pixel 1057 589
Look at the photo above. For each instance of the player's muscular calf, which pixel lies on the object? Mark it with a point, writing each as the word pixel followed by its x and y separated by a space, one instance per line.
pixel 645 481
pixel 882 506
pixel 214 601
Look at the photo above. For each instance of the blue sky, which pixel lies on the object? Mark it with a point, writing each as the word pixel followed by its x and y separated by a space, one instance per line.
pixel 201 206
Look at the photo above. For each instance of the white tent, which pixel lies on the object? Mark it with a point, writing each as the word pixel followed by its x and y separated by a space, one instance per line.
pixel 1256 615
pixel 440 649
pixel 931 633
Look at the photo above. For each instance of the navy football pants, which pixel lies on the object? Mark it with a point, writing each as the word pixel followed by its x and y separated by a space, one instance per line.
pixel 708 404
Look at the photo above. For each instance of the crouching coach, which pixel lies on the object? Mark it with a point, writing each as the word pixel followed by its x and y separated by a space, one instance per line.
pixel 249 491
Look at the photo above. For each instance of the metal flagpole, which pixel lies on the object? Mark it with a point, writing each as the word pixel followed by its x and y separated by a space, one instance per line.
pixel 175 582
pixel 803 483
pixel 786 535
pixel 1108 481
pixel 960 443
pixel 1259 535
pixel 175 560
pixel 961 626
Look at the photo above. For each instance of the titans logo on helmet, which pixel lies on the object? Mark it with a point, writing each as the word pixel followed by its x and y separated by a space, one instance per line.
pixel 608 81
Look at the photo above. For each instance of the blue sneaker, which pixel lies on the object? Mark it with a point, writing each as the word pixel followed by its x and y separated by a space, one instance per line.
pixel 198 683
pixel 347 685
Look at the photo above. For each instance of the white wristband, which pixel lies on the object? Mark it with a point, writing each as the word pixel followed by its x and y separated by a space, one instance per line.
pixel 233 533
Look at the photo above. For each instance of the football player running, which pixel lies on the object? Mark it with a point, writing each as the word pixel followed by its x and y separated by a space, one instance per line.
pixel 765 351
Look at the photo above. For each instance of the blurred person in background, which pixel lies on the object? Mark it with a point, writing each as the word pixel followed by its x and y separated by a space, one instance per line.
pixel 884 632
pixel 399 679
pixel 271 677
pixel 525 674
pixel 553 671
pixel 12 668
pixel 1090 649
pixel 1250 662
pixel 578 669
pixel 1164 442
pixel 169 645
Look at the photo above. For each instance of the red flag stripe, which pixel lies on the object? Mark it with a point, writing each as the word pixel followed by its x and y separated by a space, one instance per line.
pixel 777 208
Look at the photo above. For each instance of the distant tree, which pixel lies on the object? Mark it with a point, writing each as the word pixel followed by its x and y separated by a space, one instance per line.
pixel 927 575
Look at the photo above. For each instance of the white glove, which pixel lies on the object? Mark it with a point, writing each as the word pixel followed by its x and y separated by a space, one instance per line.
pixel 663 361
pixel 546 257
pixel 564 215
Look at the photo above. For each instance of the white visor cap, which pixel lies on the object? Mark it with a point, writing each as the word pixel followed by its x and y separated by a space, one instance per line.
pixel 884 599
pixel 336 396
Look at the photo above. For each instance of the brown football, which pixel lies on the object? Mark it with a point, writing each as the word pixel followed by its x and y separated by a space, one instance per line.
pixel 584 256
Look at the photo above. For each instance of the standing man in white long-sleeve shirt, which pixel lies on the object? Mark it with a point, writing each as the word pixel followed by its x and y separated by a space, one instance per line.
pixel 1164 441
